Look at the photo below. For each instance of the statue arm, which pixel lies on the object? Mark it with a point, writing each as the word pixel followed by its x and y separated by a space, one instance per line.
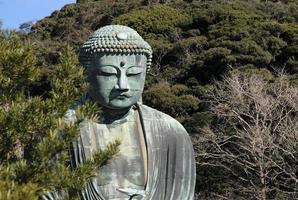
pixel 185 175
pixel 174 166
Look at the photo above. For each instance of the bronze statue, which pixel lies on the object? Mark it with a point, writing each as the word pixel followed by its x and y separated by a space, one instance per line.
pixel 156 160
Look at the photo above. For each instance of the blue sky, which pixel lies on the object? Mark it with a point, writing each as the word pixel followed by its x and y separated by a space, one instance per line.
pixel 15 12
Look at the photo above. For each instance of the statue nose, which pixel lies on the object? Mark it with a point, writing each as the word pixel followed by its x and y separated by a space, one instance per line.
pixel 122 83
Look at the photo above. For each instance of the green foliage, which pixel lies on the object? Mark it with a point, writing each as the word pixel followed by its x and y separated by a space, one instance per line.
pixel 155 21
pixel 197 121
pixel 35 137
pixel 247 32
pixel 251 70
pixel 290 54
pixel 10 190
pixel 282 12
pixel 16 66
pixel 174 100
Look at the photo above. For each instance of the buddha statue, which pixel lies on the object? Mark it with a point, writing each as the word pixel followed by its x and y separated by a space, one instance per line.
pixel 156 159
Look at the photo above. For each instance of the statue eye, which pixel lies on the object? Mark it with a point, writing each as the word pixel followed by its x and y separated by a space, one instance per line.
pixel 107 71
pixel 134 71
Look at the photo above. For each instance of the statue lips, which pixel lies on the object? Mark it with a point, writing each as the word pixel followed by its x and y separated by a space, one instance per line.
pixel 124 95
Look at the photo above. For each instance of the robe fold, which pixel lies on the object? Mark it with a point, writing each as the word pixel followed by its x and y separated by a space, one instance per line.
pixel 170 157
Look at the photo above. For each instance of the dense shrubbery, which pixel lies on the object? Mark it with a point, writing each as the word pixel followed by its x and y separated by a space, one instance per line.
pixel 176 100
pixel 155 22
pixel 195 43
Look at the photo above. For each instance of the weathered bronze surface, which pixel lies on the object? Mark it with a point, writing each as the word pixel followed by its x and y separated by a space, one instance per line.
pixel 156 160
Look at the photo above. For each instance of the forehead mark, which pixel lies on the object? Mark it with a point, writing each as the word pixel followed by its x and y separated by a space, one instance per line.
pixel 122 63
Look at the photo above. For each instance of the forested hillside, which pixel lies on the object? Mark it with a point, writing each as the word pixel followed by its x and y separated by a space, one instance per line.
pixel 196 43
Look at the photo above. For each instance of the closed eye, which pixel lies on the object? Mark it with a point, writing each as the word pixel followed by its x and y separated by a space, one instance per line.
pixel 134 71
pixel 107 71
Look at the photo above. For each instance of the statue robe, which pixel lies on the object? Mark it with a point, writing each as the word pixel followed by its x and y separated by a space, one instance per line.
pixel 170 156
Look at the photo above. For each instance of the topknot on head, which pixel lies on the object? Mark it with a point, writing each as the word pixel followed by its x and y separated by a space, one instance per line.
pixel 114 39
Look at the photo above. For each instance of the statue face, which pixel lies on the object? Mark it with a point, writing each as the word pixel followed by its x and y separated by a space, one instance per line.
pixel 117 80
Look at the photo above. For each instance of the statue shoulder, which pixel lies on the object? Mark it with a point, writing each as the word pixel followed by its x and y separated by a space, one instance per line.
pixel 151 114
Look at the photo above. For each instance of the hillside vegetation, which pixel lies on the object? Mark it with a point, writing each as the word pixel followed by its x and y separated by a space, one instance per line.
pixel 195 44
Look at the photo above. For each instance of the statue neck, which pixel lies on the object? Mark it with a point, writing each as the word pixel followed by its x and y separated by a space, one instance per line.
pixel 112 115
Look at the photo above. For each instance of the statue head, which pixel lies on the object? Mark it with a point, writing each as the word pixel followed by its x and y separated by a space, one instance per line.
pixel 116 59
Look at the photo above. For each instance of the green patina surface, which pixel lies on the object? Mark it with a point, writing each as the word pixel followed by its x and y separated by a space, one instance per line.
pixel 156 160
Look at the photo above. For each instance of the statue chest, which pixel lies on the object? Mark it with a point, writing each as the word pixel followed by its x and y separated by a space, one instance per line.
pixel 126 170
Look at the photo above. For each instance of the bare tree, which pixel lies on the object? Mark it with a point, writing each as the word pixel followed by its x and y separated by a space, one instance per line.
pixel 256 137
